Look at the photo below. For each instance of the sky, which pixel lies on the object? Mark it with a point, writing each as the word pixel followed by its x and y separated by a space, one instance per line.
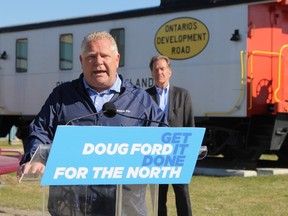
pixel 18 12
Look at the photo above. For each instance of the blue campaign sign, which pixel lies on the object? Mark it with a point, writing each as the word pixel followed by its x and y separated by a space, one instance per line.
pixel 95 155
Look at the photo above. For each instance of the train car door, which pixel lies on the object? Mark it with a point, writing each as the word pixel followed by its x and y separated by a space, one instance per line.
pixel 267 45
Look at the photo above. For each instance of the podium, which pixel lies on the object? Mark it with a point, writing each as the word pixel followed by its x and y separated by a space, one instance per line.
pixel 113 171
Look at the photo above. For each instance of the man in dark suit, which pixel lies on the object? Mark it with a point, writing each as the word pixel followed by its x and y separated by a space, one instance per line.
pixel 177 105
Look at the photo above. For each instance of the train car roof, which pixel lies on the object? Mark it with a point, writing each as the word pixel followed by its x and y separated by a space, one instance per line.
pixel 166 6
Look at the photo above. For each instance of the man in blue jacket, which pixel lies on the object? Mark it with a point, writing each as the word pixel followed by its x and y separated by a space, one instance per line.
pixel 70 102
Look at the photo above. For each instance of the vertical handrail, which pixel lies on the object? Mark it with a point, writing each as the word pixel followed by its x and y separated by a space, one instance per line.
pixel 251 72
pixel 279 72
pixel 242 83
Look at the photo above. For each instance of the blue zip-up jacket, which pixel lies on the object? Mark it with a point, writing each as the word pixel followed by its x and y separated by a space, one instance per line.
pixel 70 104
pixel 70 100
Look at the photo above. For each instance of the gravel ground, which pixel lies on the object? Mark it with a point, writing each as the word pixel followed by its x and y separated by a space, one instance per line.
pixel 13 212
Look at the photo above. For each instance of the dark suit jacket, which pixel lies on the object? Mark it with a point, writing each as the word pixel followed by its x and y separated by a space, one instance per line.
pixel 180 112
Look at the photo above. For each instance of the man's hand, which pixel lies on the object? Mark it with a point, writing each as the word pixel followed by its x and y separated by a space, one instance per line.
pixel 30 168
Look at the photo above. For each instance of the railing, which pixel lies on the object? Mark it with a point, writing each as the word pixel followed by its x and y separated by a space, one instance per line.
pixel 259 52
pixel 250 75
pixel 279 72
pixel 242 84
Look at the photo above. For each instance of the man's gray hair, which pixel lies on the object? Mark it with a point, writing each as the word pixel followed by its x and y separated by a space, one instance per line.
pixel 156 58
pixel 98 36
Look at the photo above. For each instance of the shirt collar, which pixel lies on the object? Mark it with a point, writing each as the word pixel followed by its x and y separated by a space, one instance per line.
pixel 160 90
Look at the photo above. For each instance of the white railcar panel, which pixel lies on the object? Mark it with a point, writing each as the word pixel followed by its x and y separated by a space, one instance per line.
pixel 212 77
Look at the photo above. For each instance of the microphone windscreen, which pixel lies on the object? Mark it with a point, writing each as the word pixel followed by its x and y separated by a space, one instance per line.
pixel 109 109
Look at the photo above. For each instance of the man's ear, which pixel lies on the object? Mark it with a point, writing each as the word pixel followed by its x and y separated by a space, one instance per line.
pixel 118 58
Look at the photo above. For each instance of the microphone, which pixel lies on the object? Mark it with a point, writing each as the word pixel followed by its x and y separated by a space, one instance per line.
pixel 109 110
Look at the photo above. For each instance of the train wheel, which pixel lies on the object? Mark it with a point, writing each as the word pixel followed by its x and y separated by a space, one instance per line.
pixel 238 151
pixel 216 139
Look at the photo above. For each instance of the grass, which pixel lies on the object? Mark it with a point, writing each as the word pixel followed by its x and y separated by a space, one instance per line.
pixel 215 196
pixel 219 196
pixel 24 196
pixel 261 195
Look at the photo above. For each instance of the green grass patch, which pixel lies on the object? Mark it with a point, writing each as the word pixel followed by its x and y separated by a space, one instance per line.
pixel 239 196
pixel 216 196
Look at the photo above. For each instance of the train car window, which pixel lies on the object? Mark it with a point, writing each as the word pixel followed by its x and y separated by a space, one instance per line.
pixel 66 52
pixel 21 55
pixel 119 36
